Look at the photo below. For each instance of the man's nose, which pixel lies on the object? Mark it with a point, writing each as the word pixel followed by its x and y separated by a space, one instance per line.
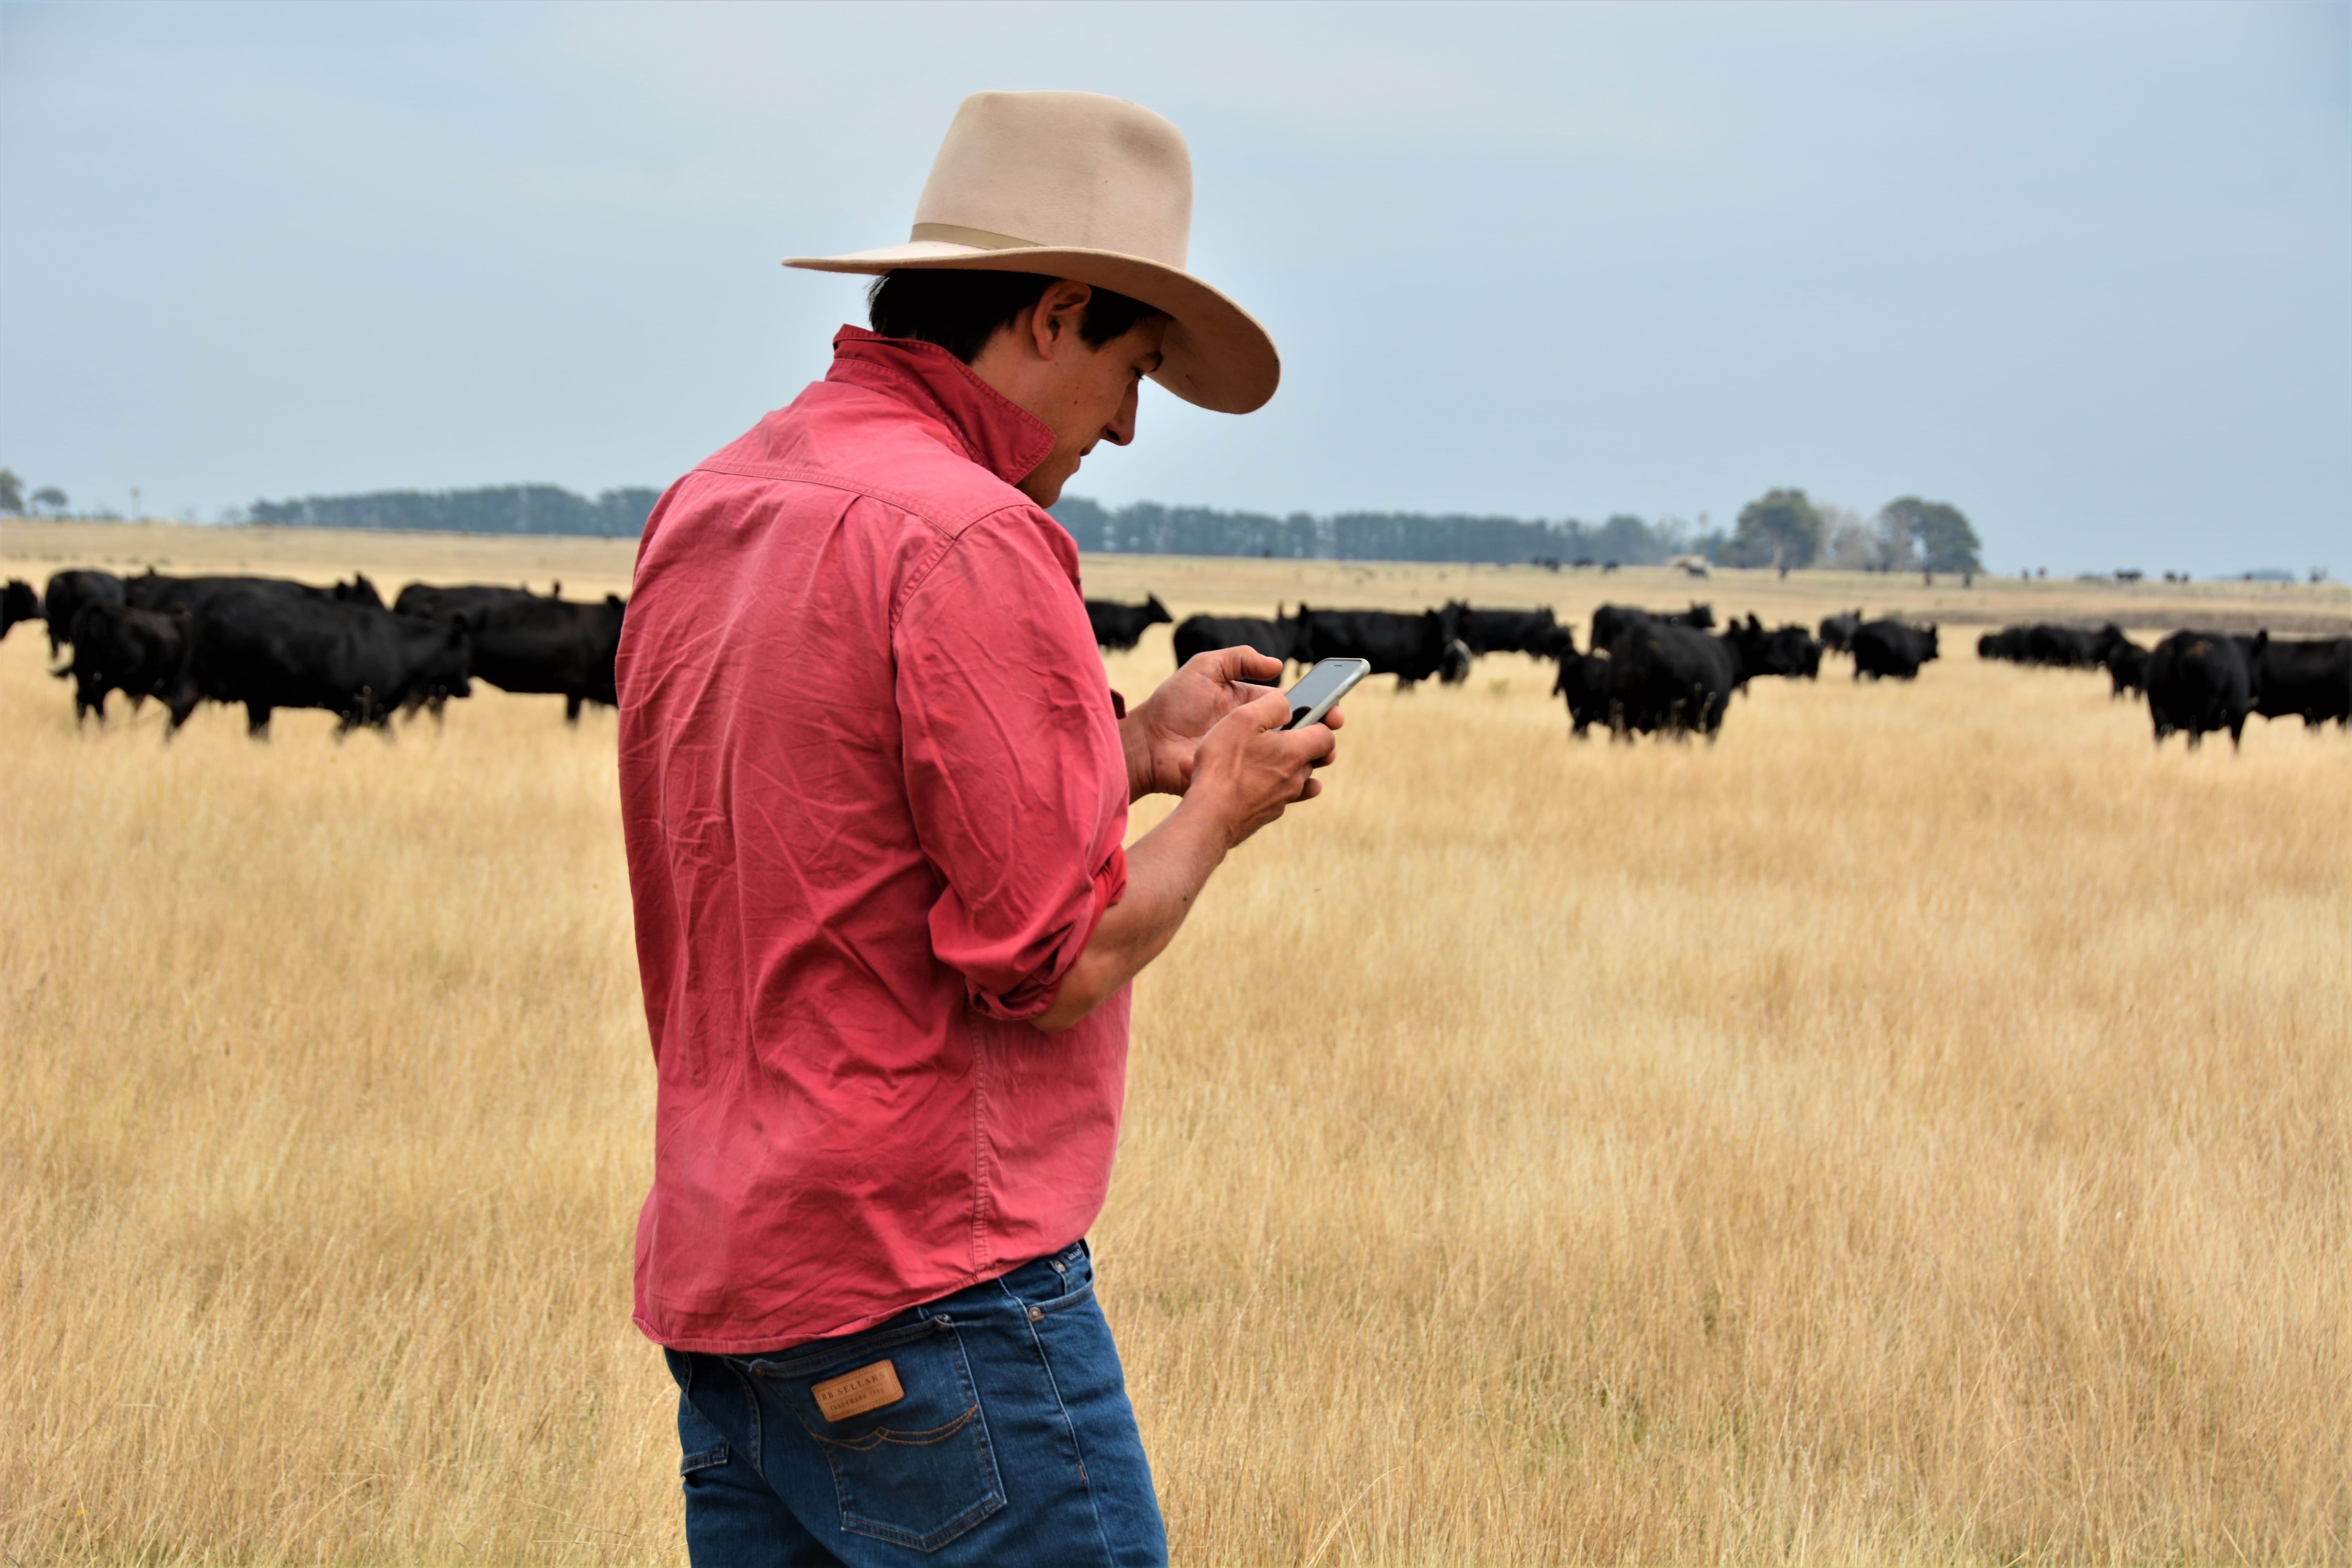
pixel 1120 431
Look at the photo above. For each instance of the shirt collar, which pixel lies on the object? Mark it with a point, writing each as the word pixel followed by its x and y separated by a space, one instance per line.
pixel 994 431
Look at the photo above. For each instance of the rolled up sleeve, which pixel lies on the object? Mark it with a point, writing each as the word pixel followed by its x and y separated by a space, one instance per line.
pixel 1014 767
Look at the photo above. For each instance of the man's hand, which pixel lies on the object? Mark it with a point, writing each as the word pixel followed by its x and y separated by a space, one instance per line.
pixel 1239 776
pixel 1162 734
pixel 1248 768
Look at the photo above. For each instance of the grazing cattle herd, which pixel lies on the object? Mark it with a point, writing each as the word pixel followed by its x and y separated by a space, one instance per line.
pixel 1671 672
pixel 267 643
pixel 2199 682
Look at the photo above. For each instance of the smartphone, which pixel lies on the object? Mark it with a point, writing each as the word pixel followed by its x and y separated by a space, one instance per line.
pixel 1321 687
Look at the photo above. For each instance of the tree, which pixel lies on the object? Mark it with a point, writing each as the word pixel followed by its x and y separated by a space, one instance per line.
pixel 1846 536
pixel 1779 528
pixel 51 496
pixel 12 491
pixel 1895 548
pixel 1932 535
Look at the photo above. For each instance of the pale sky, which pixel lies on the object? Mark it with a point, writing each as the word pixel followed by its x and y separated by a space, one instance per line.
pixel 2084 270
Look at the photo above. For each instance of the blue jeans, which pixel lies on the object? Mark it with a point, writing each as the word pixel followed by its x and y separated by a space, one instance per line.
pixel 999 1432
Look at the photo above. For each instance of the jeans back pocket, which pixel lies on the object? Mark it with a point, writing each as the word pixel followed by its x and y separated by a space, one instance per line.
pixel 898 1421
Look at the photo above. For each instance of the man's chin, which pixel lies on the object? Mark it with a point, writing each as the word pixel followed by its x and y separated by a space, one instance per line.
pixel 1045 486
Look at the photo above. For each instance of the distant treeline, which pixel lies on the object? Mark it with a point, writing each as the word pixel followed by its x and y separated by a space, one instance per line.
pixel 1147 528
pixel 502 508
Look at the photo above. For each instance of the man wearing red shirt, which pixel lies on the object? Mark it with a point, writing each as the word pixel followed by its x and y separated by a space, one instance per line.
pixel 875 792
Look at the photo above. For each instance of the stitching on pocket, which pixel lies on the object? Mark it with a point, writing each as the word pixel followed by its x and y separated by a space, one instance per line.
pixel 703 1462
pixel 881 1435
pixel 1078 1297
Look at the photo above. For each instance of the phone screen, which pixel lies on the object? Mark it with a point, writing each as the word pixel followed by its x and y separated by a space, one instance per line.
pixel 1321 687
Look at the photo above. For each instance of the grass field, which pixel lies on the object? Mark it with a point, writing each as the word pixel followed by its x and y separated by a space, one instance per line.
pixel 1918 1128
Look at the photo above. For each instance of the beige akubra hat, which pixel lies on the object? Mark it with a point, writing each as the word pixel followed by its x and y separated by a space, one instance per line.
pixel 1095 189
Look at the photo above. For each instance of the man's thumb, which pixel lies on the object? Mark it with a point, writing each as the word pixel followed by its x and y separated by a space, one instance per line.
pixel 1271 712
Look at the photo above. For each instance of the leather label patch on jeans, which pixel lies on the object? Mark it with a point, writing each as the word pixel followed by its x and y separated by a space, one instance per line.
pixel 856 1393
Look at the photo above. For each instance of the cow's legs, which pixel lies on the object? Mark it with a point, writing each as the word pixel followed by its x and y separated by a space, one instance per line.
pixel 256 720
pixel 571 710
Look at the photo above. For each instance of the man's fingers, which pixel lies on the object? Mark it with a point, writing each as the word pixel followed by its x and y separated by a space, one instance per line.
pixel 1271 712
pixel 1236 664
pixel 1323 744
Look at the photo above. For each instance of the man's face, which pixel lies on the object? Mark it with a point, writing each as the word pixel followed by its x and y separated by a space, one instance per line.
pixel 1091 395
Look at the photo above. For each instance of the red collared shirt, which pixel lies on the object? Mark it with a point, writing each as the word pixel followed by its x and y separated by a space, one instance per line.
pixel 873 793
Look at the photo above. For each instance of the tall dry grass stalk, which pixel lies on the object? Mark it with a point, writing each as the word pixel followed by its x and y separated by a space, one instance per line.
pixel 1916 1128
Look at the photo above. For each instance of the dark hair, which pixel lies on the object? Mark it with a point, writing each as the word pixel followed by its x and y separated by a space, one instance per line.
pixel 959 308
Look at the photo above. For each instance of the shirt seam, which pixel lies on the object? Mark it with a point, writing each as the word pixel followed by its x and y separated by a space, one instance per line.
pixel 921 570
pixel 912 506
pixel 979 1205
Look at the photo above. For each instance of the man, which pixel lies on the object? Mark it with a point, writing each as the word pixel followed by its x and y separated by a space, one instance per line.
pixel 874 790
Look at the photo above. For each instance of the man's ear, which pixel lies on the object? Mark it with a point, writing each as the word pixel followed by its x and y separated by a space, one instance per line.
pixel 1059 310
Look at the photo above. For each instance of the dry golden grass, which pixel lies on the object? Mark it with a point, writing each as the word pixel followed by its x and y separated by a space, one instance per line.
pixel 1919 1127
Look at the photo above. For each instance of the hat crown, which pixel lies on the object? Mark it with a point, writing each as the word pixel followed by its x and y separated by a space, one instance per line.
pixel 1075 169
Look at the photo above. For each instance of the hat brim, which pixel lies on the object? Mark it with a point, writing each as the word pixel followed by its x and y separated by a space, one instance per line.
pixel 1216 356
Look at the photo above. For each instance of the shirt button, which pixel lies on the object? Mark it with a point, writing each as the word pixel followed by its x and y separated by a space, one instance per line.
pixel 1036 1313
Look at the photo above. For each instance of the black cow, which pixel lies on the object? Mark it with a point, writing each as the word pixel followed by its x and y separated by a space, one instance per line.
pixel 1672 678
pixel 1121 626
pixel 68 591
pixel 2201 681
pixel 1837 631
pixel 1508 631
pixel 2071 647
pixel 1786 650
pixel 549 646
pixel 18 602
pixel 141 653
pixel 1884 648
pixel 2051 646
pixel 1410 647
pixel 267 650
pixel 525 642
pixel 1609 620
pixel 1586 680
pixel 2126 666
pixel 1558 642
pixel 151 590
pixel 2009 645
pixel 1277 638
pixel 439 604
pixel 2309 678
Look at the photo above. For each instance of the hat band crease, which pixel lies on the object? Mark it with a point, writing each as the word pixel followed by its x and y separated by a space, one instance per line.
pixel 956 233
